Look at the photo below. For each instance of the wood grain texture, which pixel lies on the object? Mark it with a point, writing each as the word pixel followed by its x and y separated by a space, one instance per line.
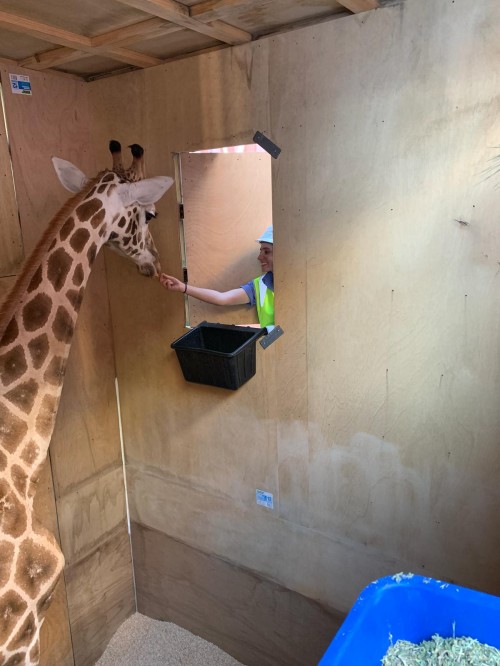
pixel 100 596
pixel 55 636
pixel 90 513
pixel 11 243
pixel 255 620
pixel 378 431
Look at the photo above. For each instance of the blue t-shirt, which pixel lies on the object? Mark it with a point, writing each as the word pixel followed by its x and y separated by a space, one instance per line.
pixel 249 288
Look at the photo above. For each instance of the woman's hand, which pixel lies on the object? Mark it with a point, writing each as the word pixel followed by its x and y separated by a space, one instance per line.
pixel 171 283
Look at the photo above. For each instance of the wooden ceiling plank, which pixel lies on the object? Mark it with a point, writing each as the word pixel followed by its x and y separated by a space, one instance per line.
pixel 52 58
pixel 358 6
pixel 144 30
pixel 149 29
pixel 132 57
pixel 42 31
pixel 227 33
pixel 176 12
pixel 212 9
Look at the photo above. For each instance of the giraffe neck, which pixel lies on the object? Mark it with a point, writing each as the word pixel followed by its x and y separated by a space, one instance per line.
pixel 34 347
pixel 36 342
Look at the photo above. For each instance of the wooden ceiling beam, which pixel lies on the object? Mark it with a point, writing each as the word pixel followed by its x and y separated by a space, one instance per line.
pixel 131 34
pixel 212 9
pixel 108 44
pixel 52 58
pixel 358 6
pixel 131 57
pixel 48 33
pixel 177 13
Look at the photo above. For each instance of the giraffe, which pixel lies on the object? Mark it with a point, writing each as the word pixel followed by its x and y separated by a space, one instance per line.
pixel 36 329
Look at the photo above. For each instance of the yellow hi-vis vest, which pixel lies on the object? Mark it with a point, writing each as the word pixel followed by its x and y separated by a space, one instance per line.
pixel 264 299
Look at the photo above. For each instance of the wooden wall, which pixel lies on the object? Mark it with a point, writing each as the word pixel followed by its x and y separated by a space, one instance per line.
pixel 374 419
pixel 82 496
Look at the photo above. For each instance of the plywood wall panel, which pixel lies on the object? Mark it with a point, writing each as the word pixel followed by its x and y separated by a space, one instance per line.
pixel 55 636
pixel 393 339
pixel 373 418
pixel 257 621
pixel 256 538
pixel 11 243
pixel 85 450
pixel 100 596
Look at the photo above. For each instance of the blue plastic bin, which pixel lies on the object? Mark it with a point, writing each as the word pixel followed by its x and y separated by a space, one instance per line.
pixel 412 608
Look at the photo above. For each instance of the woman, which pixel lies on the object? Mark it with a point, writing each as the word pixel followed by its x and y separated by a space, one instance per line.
pixel 258 292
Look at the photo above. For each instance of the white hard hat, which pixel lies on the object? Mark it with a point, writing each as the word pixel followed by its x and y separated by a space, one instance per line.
pixel 267 236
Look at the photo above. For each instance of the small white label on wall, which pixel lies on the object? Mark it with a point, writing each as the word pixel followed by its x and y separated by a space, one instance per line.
pixel 20 84
pixel 264 499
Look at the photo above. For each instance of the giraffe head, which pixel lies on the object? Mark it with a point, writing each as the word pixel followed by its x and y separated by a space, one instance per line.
pixel 123 202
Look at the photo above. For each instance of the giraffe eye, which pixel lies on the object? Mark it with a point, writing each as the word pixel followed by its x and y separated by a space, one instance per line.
pixel 150 216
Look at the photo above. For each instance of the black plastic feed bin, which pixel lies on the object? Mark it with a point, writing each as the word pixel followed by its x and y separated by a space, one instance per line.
pixel 218 354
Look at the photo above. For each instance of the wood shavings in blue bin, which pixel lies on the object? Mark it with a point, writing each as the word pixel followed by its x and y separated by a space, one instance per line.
pixel 408 607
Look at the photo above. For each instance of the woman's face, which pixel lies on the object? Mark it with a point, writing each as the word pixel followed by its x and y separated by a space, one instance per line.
pixel 266 257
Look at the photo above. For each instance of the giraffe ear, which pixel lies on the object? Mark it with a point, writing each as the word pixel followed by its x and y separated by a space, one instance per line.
pixel 144 192
pixel 70 176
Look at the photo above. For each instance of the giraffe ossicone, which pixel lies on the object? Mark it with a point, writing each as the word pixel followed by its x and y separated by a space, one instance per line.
pixel 37 322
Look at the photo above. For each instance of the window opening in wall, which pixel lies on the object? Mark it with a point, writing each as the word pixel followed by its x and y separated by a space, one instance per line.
pixel 225 204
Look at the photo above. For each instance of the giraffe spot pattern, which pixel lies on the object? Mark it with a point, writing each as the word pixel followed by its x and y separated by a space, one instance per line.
pixel 67 228
pixel 35 478
pixel 35 280
pixel 25 634
pixel 75 297
pixel 17 659
pixel 19 479
pixel 43 603
pixel 98 219
pixel 55 371
pixel 3 463
pixel 23 395
pixel 35 567
pixel 108 177
pixel 59 264
pixel 6 559
pixel 62 327
pixel 39 348
pixel 101 189
pixel 30 453
pixel 12 429
pixel 88 208
pixel 11 332
pixel 44 423
pixel 12 365
pixel 122 222
pixel 36 312
pixel 35 653
pixel 12 607
pixel 79 239
pixel 78 275
pixel 13 517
